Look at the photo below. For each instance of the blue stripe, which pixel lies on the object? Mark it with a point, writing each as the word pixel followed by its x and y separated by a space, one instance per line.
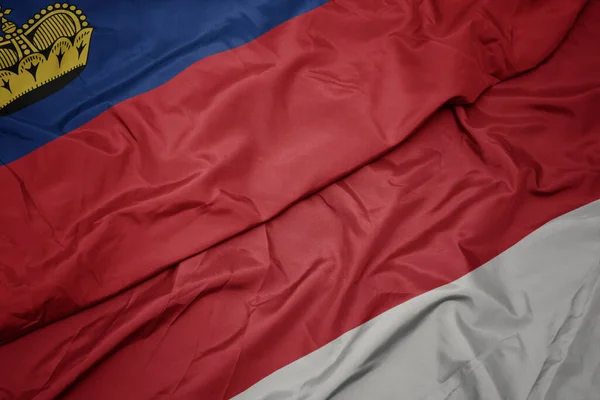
pixel 136 46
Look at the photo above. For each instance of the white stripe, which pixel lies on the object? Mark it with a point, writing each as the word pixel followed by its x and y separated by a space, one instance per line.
pixel 503 331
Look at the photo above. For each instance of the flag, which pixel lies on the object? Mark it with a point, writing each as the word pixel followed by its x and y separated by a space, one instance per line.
pixel 301 200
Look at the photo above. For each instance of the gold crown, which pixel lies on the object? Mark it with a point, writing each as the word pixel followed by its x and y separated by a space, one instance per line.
pixel 42 56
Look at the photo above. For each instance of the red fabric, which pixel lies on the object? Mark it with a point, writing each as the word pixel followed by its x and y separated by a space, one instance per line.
pixel 237 137
pixel 467 185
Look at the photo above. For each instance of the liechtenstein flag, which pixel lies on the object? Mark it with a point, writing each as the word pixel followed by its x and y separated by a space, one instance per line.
pixel 294 199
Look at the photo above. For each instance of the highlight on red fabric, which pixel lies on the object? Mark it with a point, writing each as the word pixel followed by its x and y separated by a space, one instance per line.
pixel 239 136
pixel 467 185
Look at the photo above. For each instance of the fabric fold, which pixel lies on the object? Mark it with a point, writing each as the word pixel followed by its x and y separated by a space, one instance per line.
pixel 466 187
pixel 237 137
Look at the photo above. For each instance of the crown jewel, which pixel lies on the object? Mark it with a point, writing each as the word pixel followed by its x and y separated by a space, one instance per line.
pixel 41 56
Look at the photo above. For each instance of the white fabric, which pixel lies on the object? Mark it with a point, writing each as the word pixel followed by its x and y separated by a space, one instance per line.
pixel 523 326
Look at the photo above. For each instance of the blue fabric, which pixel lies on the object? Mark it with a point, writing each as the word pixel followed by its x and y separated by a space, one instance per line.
pixel 136 46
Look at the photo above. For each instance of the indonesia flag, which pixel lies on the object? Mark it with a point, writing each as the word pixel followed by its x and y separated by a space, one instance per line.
pixel 300 199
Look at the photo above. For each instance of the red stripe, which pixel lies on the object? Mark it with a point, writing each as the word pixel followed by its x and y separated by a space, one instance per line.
pixel 468 185
pixel 239 136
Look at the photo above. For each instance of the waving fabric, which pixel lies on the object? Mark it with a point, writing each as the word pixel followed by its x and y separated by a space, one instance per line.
pixel 305 200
